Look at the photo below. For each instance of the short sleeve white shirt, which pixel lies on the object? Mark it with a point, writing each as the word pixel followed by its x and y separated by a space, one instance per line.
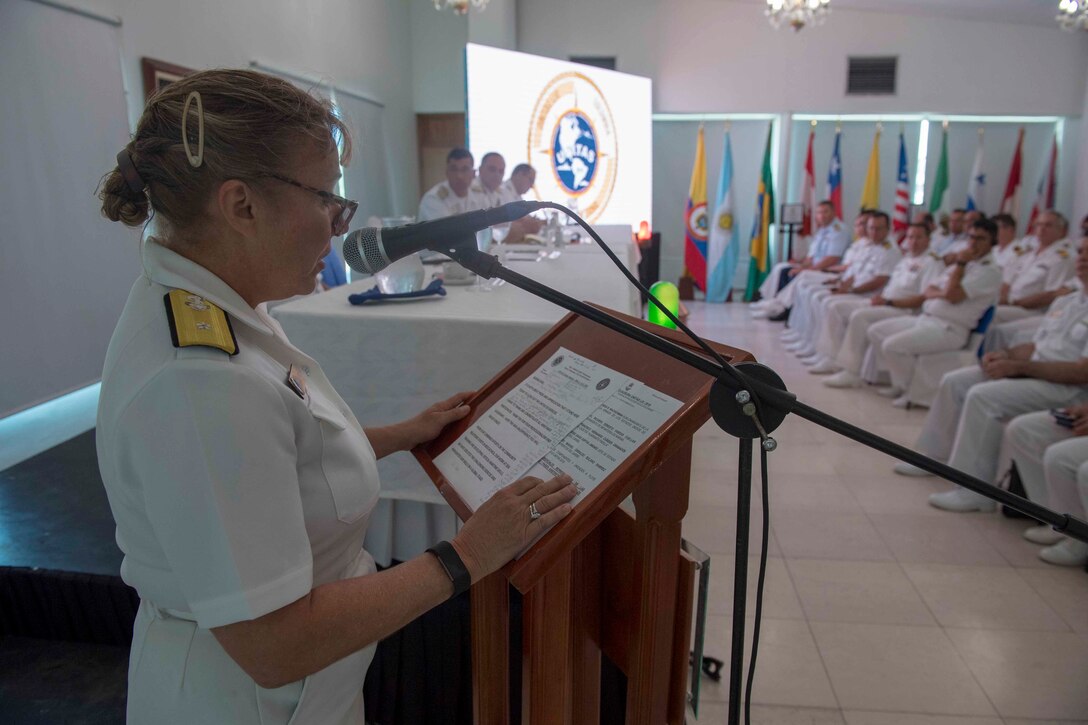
pixel 440 202
pixel 829 241
pixel 1045 270
pixel 234 496
pixel 1011 259
pixel 1063 336
pixel 912 275
pixel 878 260
pixel 508 193
pixel 982 284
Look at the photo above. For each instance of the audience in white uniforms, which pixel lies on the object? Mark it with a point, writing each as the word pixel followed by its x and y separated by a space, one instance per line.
pixel 829 243
pixel 868 272
pixel 1042 275
pixel 954 303
pixel 964 426
pixel 842 341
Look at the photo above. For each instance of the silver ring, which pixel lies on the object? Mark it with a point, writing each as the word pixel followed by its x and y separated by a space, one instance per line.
pixel 533 513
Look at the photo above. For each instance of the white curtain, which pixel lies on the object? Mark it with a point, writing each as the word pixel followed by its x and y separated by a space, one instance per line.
pixel 64 270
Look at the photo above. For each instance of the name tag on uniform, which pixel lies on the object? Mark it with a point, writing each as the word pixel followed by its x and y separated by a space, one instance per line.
pixel 296 381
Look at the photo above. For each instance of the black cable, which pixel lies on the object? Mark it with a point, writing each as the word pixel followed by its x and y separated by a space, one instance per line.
pixel 759 587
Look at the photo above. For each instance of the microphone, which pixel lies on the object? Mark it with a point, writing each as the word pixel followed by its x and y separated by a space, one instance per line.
pixel 371 250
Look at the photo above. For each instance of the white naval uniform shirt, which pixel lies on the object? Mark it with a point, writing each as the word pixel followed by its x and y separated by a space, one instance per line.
pixel 874 260
pixel 1044 271
pixel 912 275
pixel 233 495
pixel 1011 259
pixel 1063 336
pixel 981 283
pixel 829 241
pixel 440 202
pixel 508 192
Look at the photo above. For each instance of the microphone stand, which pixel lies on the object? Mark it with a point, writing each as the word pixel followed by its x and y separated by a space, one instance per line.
pixel 733 409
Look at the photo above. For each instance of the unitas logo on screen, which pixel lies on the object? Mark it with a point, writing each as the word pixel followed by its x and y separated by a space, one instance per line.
pixel 572 132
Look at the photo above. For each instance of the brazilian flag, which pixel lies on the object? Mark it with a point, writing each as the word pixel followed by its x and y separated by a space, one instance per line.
pixel 759 266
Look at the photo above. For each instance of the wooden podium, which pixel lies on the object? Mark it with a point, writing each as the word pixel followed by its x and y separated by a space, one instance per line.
pixel 604 580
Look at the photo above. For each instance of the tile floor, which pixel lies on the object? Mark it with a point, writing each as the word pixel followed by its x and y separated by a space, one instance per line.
pixel 879 610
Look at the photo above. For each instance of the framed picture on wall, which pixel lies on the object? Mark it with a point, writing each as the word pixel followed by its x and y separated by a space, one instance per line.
pixel 159 73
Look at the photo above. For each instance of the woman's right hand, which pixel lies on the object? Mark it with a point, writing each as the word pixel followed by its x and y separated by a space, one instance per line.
pixel 502 526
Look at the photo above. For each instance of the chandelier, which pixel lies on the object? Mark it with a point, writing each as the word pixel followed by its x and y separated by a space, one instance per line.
pixel 460 6
pixel 799 13
pixel 1073 14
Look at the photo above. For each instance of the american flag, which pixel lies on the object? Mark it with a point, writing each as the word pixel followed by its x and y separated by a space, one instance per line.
pixel 900 215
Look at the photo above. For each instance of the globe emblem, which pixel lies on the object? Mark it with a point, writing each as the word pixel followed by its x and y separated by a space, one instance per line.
pixel 574 152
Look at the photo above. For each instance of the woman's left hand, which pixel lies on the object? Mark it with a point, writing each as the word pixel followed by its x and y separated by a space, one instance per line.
pixel 427 425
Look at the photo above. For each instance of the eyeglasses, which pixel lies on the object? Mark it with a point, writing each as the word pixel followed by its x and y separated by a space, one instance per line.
pixel 347 207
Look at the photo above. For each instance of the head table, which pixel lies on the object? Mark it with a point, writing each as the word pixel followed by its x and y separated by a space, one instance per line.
pixel 390 360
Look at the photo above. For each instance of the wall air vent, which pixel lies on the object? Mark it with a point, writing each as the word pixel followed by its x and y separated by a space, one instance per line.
pixel 871 76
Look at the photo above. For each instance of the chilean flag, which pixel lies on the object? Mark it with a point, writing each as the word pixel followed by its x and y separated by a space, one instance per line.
pixel 900 214
pixel 834 178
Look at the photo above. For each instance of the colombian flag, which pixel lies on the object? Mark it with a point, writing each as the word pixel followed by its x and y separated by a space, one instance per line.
pixel 760 246
pixel 695 222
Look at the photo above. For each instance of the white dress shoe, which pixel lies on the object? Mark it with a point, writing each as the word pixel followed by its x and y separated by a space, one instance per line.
pixel 961 500
pixel 1043 535
pixel 1068 552
pixel 795 345
pixel 909 469
pixel 823 366
pixel 760 314
pixel 808 358
pixel 890 392
pixel 902 402
pixel 843 379
pixel 789 336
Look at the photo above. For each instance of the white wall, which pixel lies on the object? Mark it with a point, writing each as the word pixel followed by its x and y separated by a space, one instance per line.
pixel 1080 166
pixel 720 55
pixel 438 59
pixel 496 26
pixel 360 45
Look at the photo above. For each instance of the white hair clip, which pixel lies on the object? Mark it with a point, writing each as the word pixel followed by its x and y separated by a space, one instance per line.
pixel 195 160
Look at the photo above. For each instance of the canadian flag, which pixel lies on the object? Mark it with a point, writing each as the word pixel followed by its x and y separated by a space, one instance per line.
pixel 808 191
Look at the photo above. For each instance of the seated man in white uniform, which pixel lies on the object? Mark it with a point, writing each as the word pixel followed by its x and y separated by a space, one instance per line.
pixel 965 424
pixel 454 195
pixel 957 233
pixel 1052 460
pixel 488 181
pixel 954 303
pixel 829 243
pixel 778 308
pixel 843 341
pixel 869 272
pixel 1043 275
pixel 522 178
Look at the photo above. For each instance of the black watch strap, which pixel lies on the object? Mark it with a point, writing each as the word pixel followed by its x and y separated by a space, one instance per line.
pixel 455 568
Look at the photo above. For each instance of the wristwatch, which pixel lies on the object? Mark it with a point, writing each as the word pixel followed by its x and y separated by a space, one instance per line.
pixel 455 568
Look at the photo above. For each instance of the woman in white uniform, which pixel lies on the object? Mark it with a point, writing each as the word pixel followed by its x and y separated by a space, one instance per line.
pixel 240 482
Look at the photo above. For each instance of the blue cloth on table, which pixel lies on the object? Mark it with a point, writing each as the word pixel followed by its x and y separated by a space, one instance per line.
pixel 334 273
pixel 375 295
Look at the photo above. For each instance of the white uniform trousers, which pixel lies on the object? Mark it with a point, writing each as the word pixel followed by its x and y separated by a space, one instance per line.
pixel 965 425
pixel 856 340
pixel 1009 313
pixel 1066 467
pixel 903 339
pixel 833 322
pixel 1010 334
pixel 769 288
pixel 808 278
pixel 805 313
pixel 1027 438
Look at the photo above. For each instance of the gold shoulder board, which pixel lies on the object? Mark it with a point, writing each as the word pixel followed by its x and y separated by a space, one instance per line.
pixel 196 321
pixel 443 192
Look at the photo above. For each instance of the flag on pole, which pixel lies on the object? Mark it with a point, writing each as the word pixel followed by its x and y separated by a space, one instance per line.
pixel 938 200
pixel 759 265
pixel 870 193
pixel 695 218
pixel 901 213
pixel 1010 203
pixel 808 191
pixel 976 186
pixel 1047 188
pixel 722 250
pixel 834 177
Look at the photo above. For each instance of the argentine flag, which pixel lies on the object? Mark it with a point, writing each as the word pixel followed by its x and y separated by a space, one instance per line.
pixel 722 251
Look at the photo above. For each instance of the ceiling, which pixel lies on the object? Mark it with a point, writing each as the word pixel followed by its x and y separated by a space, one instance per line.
pixel 1021 12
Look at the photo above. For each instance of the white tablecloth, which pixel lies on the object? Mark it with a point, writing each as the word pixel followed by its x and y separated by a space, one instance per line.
pixel 390 361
